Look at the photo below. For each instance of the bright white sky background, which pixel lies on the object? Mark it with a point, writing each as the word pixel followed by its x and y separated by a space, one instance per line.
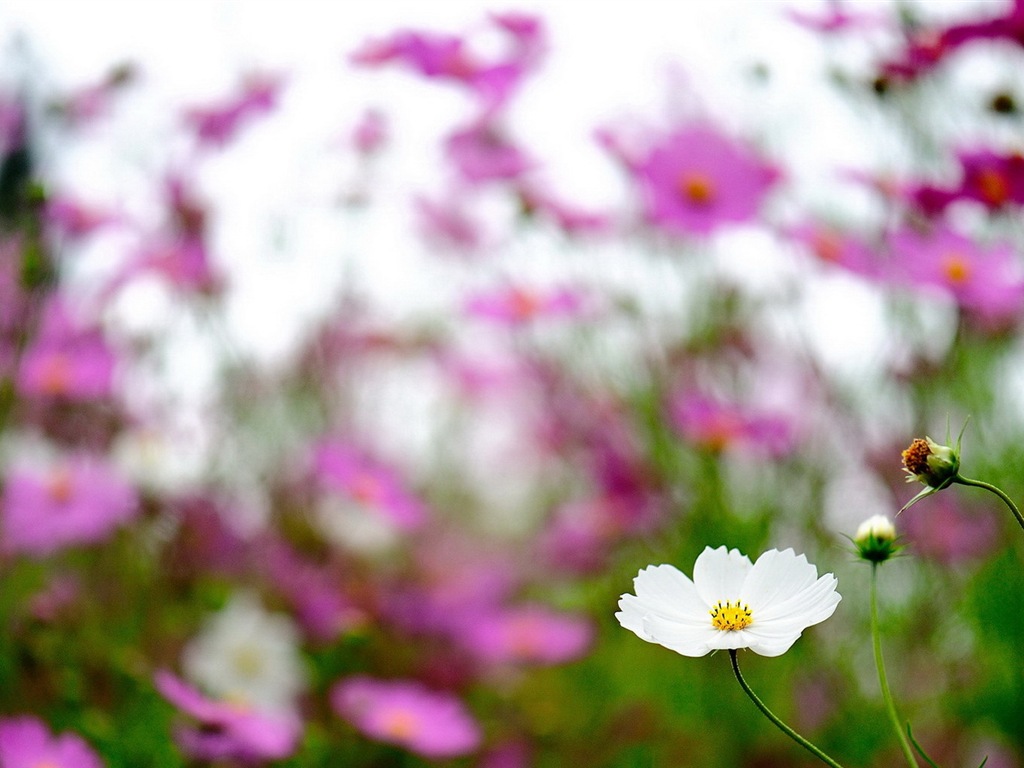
pixel 279 226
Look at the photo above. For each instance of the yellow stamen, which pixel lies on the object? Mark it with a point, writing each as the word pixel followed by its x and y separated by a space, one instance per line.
pixel 728 616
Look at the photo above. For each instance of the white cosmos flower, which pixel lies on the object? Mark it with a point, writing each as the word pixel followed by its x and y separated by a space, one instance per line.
pixel 247 655
pixel 730 603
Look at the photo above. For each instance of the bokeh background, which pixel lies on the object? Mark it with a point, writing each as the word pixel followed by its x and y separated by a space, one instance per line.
pixel 353 362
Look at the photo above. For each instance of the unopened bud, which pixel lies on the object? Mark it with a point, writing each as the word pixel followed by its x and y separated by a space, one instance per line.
pixel 876 539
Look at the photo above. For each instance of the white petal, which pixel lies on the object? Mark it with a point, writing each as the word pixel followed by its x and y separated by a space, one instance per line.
pixel 719 574
pixel 631 616
pixel 687 639
pixel 670 592
pixel 807 607
pixel 776 577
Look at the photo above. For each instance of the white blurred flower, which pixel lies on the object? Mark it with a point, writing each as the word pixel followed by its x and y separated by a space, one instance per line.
pixel 730 603
pixel 356 527
pixel 246 655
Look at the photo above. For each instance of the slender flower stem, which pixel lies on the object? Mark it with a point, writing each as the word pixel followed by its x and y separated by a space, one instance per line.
pixel 778 723
pixel 989 487
pixel 883 681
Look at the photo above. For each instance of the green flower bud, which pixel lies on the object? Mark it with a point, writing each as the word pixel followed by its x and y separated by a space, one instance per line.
pixel 876 539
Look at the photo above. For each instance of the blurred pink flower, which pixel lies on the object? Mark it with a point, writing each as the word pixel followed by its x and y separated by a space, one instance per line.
pixel 227 731
pixel 492 79
pixel 717 426
pixel 344 469
pixel 447 225
pixel 25 742
pixel 697 180
pixel 78 500
pixel 837 248
pixel 216 124
pixel 66 358
pixel 69 217
pixel 482 153
pixel 572 220
pixel 371 132
pixel 515 305
pixel 527 634
pixel 985 280
pixel 835 18
pixel 433 724
pixel 951 533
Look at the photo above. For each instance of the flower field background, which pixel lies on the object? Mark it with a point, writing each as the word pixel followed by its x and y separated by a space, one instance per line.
pixel 397 528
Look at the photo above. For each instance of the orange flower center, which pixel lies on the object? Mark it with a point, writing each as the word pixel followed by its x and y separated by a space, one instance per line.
pixel 400 724
pixel 60 485
pixel 993 186
pixel 956 268
pixel 827 246
pixel 697 188
pixel 524 303
pixel 366 488
pixel 55 375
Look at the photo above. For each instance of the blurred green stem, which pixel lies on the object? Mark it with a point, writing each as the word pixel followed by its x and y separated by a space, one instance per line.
pixel 778 723
pixel 883 681
pixel 989 487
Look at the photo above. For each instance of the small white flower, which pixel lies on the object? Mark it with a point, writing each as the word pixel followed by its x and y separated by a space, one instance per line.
pixel 877 526
pixel 730 603
pixel 249 656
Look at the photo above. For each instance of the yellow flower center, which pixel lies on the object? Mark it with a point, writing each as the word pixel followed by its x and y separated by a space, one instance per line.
pixel 729 616
pixel 956 268
pixel 697 188
pixel 56 374
pixel 60 485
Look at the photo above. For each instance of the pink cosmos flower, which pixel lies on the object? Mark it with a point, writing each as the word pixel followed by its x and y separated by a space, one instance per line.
pixel 835 247
pixel 527 634
pixel 570 219
pixel 986 281
pixel 371 132
pixel 343 469
pixel 73 218
pixel 78 500
pixel 226 731
pixel 482 153
pixel 492 79
pixel 66 358
pixel 696 180
pixel 430 723
pixel 447 225
pixel 717 426
pixel 216 124
pixel 25 742
pixel 516 305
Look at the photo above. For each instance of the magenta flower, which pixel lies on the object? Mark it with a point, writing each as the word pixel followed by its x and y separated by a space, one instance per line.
pixel 216 124
pixel 482 153
pixel 362 480
pixel 25 742
pixel 447 225
pixel 696 180
pixel 66 358
pixel 371 132
pixel 78 500
pixel 227 731
pixel 529 634
pixel 837 248
pixel 404 712
pixel 515 305
pixel 717 426
pixel 73 218
pixel 986 281
pixel 492 79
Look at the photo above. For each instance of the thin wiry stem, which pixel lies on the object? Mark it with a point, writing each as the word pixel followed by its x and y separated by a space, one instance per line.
pixel 883 681
pixel 778 723
pixel 989 487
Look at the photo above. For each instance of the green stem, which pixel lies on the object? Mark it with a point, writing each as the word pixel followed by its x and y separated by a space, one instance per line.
pixel 883 681
pixel 989 487
pixel 778 723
